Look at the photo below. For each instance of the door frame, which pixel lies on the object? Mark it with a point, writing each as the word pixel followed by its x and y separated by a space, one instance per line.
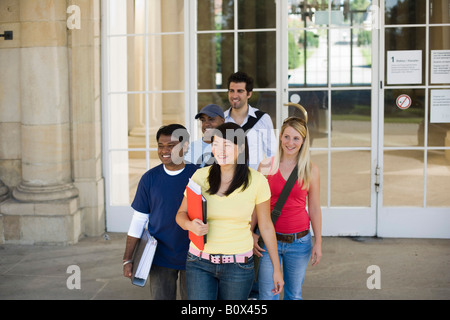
pixel 406 222
pixel 338 221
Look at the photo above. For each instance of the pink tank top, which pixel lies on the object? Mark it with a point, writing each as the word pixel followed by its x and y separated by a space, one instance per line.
pixel 294 217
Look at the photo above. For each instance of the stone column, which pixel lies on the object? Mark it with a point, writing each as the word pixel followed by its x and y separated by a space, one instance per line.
pixel 4 191
pixel 45 206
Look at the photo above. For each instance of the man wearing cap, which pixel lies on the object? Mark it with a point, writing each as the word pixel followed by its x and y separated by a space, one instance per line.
pixel 199 152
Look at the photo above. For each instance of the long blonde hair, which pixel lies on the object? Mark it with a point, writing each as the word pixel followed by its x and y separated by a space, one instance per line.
pixel 303 156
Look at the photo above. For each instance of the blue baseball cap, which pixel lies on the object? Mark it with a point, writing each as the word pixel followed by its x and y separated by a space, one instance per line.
pixel 211 110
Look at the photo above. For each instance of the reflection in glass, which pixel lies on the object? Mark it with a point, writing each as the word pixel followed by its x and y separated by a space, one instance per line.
pixel 350 178
pixel 257 56
pixel 219 98
pixel 166 62
pixel 439 11
pixel 405 12
pixel 403 178
pixel 304 13
pixel 316 104
pixel 308 58
pixel 126 172
pixel 119 174
pixel 215 14
pixel 320 159
pixel 402 127
pixel 263 14
pixel 216 59
pixel 153 11
pixel 351 118
pixel 351 61
pixel 438 178
pixel 350 12
pixel 265 101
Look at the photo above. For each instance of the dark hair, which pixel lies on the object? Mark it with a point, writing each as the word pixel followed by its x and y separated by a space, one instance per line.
pixel 240 76
pixel 176 130
pixel 234 133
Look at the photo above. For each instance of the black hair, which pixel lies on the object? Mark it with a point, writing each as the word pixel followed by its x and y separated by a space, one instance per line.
pixel 240 76
pixel 176 130
pixel 234 133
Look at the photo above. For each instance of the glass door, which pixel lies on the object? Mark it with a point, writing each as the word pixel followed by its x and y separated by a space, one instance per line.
pixel 415 119
pixel 331 53
pixel 145 86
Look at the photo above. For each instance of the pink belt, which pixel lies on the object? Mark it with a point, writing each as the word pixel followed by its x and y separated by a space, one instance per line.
pixel 222 258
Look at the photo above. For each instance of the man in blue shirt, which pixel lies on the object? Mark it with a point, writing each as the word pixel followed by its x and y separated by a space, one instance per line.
pixel 158 197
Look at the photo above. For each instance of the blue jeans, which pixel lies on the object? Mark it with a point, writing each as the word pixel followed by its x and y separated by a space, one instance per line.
pixel 294 257
pixel 208 281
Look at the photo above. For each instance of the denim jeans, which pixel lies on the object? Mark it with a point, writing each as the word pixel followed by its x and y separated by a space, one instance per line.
pixel 208 281
pixel 294 257
pixel 163 283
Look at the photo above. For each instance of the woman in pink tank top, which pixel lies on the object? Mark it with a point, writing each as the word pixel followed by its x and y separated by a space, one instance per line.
pixel 295 246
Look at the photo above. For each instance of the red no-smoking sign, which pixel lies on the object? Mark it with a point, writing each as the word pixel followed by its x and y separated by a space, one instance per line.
pixel 403 101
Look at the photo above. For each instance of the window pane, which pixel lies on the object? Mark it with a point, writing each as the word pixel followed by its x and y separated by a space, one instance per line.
pixel 438 178
pixel 351 118
pixel 119 173
pixel 316 104
pixel 166 62
pixel 404 127
pixel 403 178
pixel 351 60
pixel 215 59
pixel 350 178
pixel 320 159
pixel 406 39
pixel 304 13
pixel 350 12
pixel 308 58
pixel 215 15
pixel 263 14
pixel 405 11
pixel 439 11
pixel 439 55
pixel 257 56
pixel 219 98
pixel 438 125
pixel 265 101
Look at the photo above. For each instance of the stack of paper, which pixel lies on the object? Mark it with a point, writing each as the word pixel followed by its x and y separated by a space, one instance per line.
pixel 143 258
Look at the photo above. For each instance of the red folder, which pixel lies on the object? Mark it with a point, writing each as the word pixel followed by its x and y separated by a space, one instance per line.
pixel 196 204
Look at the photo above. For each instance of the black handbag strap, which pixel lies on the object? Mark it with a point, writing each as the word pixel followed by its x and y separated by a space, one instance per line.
pixel 276 212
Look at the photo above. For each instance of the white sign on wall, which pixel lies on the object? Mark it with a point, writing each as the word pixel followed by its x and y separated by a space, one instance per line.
pixel 404 67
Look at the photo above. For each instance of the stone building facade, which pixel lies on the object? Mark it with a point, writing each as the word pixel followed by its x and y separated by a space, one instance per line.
pixel 51 184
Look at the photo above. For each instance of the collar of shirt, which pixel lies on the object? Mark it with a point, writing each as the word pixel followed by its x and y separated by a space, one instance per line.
pixel 251 113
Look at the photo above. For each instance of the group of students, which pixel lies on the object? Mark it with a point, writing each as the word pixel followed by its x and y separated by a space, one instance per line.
pixel 241 175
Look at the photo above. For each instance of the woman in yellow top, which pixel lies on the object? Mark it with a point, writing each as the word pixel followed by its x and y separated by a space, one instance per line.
pixel 224 269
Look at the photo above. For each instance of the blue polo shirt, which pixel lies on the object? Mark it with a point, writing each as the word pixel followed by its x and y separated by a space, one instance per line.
pixel 160 195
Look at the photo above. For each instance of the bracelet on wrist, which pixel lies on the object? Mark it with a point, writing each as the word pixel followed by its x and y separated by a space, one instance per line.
pixel 127 261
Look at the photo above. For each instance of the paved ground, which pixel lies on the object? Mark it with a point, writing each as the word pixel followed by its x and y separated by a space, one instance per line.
pixel 409 269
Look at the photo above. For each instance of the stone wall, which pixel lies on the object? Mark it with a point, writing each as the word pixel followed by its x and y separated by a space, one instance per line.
pixel 50 123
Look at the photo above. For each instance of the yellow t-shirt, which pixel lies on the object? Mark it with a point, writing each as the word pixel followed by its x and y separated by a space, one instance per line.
pixel 229 217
